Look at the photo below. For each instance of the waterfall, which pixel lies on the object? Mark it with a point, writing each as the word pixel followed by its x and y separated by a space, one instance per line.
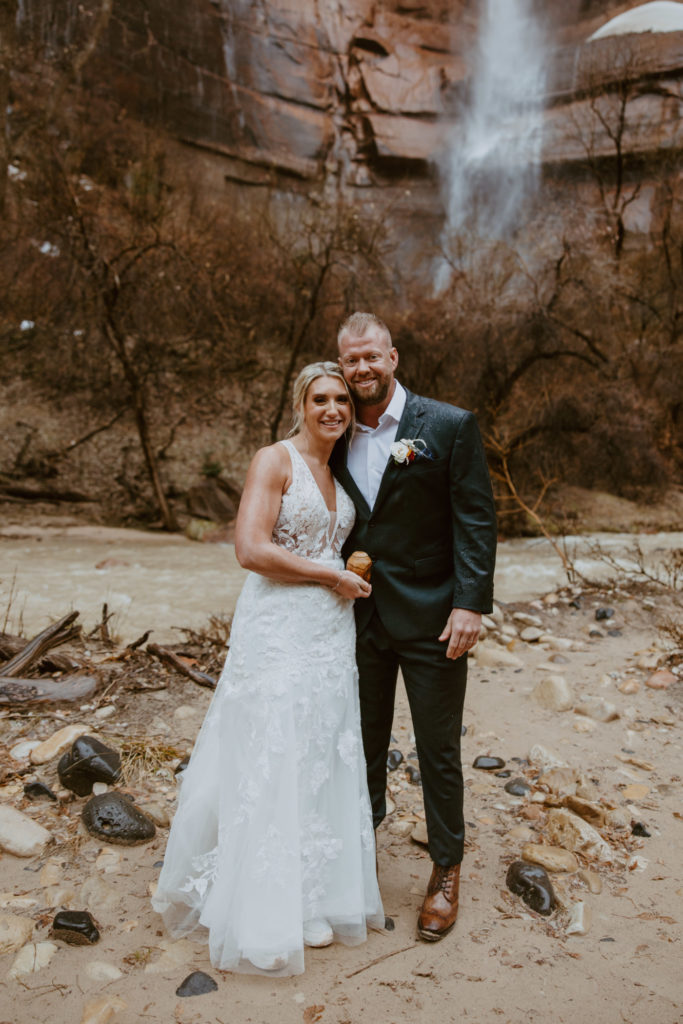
pixel 495 147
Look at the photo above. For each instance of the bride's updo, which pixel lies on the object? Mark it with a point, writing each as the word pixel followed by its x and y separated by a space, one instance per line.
pixel 303 383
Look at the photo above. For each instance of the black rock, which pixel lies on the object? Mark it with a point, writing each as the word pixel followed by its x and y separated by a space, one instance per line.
pixel 607 938
pixel 596 633
pixel 520 760
pixel 158 864
pixel 517 787
pixel 117 820
pixel 182 766
pixel 87 762
pixel 394 759
pixel 75 927
pixel 531 882
pixel 613 632
pixel 196 984
pixel 638 829
pixel 488 764
pixel 414 775
pixel 412 755
pixel 505 774
pixel 604 613
pixel 389 924
pixel 576 603
pixel 38 791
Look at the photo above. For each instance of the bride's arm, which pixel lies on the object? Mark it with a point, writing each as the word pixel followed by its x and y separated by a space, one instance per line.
pixel 266 482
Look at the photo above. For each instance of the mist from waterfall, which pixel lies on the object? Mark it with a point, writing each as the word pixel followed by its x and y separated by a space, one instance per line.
pixel 495 148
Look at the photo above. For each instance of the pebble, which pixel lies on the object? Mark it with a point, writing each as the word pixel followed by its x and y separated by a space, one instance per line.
pixel 560 643
pixel 554 693
pixel 23 749
pixel 521 834
pixel 531 882
pixel 591 812
pixel 527 620
pixel 531 635
pixel 584 725
pixel 661 679
pixel 597 708
pixel 100 1011
pixel 8 899
pixel 109 861
pixel 56 744
pixel 99 896
pixel 401 828
pixel 157 813
pixel 175 954
pixel 604 613
pixel 629 686
pixel 638 829
pixel 532 812
pixel 544 758
pixel 182 765
pixel 414 776
pixel 592 880
pixel 580 919
pixel 490 655
pixel 517 787
pixel 559 780
pixel 394 759
pixel 557 659
pixel 117 820
pixel 50 873
pixel 552 858
pixel 38 791
pixel 635 792
pixel 649 660
pixel 20 835
pixel 75 927
pixel 15 932
pixel 488 764
pixel 196 984
pixel 100 970
pixel 419 833
pixel 88 761
pixel 31 958
pixel 573 833
pixel 106 712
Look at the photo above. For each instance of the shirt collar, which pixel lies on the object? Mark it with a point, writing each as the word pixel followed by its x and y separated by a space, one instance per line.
pixel 393 411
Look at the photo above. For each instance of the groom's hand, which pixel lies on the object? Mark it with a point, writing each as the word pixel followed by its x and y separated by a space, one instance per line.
pixel 462 631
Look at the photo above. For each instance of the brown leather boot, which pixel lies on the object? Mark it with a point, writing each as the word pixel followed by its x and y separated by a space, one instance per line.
pixel 440 907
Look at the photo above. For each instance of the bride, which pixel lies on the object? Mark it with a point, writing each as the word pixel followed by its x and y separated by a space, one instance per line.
pixel 272 846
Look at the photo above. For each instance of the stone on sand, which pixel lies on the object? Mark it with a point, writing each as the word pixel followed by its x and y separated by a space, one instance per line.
pixel 592 880
pixel 568 830
pixel 597 708
pixel 661 679
pixel 20 835
pixel 554 693
pixel 100 970
pixel 552 858
pixel 57 743
pixel 15 931
pixel 544 758
pixel 32 958
pixel 101 1011
pixel 580 919
pixel 490 655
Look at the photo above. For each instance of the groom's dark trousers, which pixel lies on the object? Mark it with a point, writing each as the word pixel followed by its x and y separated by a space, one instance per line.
pixel 431 534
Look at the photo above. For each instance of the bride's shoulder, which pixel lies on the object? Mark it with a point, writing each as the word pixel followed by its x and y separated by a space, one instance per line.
pixel 272 462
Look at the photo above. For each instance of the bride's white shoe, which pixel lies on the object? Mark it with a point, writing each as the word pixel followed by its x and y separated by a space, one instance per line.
pixel 269 963
pixel 317 932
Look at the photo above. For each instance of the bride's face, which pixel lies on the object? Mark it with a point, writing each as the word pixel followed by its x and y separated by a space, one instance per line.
pixel 327 408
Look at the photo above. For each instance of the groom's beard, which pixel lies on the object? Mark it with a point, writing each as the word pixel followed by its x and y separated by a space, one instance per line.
pixel 373 395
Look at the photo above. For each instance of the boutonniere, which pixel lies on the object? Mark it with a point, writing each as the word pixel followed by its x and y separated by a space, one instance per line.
pixel 406 450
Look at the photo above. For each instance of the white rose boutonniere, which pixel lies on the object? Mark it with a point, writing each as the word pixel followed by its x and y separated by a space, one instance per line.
pixel 406 450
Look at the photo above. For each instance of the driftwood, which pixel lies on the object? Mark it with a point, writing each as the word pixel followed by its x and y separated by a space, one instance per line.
pixel 55 635
pixel 18 493
pixel 24 692
pixel 201 678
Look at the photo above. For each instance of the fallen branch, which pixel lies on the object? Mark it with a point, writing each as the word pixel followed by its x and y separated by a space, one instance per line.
pixel 378 959
pixel 55 635
pixel 201 678
pixel 25 692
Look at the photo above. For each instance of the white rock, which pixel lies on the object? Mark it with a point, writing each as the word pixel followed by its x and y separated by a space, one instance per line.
pixel 490 655
pixel 98 788
pixel 10 901
pixel 109 861
pixel 554 693
pixel 22 750
pixel 527 620
pixel 158 813
pixel 15 931
pixel 32 957
pixel 57 743
pixel 545 758
pixel 509 630
pixel 185 711
pixel 100 1011
pixel 573 833
pixel 552 858
pixel 100 970
pixel 497 614
pixel 59 896
pixel 99 896
pixel 401 828
pixel 584 725
pixel 597 708
pixel 488 623
pixel 531 634
pixel 649 660
pixel 175 954
pixel 419 833
pixel 580 919
pixel 105 712
pixel 51 873
pixel 20 835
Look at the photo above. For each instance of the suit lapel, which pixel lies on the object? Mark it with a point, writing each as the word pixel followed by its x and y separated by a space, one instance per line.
pixel 410 427
pixel 341 471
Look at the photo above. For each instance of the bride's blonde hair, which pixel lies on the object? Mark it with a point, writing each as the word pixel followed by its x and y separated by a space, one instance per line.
pixel 303 382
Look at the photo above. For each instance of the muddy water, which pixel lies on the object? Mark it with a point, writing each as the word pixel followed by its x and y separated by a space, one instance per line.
pixel 161 582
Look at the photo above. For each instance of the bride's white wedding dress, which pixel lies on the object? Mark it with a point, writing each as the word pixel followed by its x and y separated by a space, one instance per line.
pixel 273 826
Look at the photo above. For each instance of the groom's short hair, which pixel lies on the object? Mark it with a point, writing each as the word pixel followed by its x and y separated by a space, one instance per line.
pixel 358 324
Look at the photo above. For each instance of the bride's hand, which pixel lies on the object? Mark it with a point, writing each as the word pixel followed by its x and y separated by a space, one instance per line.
pixel 351 586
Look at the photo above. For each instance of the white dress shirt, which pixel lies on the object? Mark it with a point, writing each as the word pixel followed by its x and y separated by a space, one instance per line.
pixel 369 451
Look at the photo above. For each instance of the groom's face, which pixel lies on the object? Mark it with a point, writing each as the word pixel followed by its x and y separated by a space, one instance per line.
pixel 368 365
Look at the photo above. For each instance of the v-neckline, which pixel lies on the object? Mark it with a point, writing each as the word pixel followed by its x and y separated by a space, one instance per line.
pixel 330 511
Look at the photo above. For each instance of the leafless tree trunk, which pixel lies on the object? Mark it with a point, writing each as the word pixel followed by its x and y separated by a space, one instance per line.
pixel 8 18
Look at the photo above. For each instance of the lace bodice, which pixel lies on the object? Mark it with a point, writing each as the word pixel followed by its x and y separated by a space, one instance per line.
pixel 305 525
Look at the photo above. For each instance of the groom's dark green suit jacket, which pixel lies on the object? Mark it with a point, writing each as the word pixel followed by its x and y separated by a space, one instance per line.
pixel 432 531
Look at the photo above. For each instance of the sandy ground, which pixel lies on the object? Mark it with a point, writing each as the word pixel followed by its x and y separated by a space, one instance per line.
pixel 502 963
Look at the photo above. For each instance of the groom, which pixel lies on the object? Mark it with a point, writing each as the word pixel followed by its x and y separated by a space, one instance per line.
pixel 425 515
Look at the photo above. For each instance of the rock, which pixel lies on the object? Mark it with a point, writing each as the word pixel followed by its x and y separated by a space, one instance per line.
pixel 573 833
pixel 561 781
pixel 597 708
pixel 75 927
pixel 391 806
pixel 31 958
pixel 100 1011
pixel 175 955
pixel 88 761
pixel 661 679
pixel 497 615
pixel 638 829
pixel 552 858
pixel 51 872
pixel 106 712
pixel 389 924
pixel 592 880
pixel 15 932
pixel 109 861
pixel 505 774
pixel 38 791
pixel 521 834
pixel 528 620
pixel 100 897
pixel 488 623
pixel 59 896
pixel 157 813
pixel 394 759
pixel 117 820
pixel 196 984
pixel 56 744
pixel 20 835
pixel 490 655
pixel 554 693
pixel 591 812
pixel 604 613
pixel 531 882
pixel 629 686
pixel 531 635
pixel 23 749
pixel 182 766
pixel 517 787
pixel 414 776
pixel 580 919
pixel 488 764
pixel 532 812
pixel 636 791
pixel 100 970
pixel 559 643
pixel 401 828
pixel 544 758
pixel 9 900
pixel 618 817
pixel 419 833
pixel 557 659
